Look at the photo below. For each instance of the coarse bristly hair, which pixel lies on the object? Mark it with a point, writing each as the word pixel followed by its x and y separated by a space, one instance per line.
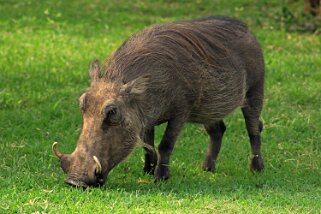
pixel 187 41
pixel 186 53
pixel 188 71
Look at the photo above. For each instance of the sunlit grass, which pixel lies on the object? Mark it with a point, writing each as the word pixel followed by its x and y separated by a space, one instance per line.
pixel 45 50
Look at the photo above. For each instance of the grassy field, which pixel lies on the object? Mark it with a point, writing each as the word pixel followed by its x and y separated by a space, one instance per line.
pixel 45 50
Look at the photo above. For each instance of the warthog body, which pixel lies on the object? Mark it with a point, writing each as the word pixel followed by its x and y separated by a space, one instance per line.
pixel 196 71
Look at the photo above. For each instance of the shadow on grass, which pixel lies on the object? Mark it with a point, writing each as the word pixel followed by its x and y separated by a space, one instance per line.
pixel 226 181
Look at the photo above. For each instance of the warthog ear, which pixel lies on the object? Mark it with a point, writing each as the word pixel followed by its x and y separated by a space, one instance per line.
pixel 94 71
pixel 136 86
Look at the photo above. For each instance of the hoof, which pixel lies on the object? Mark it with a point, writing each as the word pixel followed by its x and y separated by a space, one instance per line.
pixel 208 167
pixel 149 170
pixel 161 173
pixel 257 164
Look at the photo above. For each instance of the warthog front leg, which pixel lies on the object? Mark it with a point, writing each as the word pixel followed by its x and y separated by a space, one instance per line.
pixel 150 156
pixel 216 132
pixel 166 147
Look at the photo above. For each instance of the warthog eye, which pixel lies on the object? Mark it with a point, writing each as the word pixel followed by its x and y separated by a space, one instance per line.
pixel 112 116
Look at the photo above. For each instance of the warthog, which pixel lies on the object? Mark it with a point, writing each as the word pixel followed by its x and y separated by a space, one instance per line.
pixel 196 71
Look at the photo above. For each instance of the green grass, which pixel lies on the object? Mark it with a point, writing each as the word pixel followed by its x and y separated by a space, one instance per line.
pixel 45 50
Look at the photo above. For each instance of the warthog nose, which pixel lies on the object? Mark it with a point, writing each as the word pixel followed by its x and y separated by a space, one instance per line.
pixel 75 183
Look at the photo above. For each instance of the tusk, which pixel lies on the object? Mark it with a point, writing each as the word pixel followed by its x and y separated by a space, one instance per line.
pixel 98 169
pixel 56 151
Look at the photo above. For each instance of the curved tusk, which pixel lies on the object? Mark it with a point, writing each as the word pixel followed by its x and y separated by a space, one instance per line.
pixel 98 169
pixel 56 151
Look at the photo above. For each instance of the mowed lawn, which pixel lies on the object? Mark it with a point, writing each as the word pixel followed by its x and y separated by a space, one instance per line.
pixel 45 51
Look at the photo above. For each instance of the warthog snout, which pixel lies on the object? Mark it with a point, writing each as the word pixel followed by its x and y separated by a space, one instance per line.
pixel 79 174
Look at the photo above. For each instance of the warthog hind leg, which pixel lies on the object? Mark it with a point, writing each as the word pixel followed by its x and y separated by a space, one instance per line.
pixel 216 132
pixel 254 126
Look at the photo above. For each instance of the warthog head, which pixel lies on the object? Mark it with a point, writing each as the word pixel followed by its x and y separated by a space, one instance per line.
pixel 111 129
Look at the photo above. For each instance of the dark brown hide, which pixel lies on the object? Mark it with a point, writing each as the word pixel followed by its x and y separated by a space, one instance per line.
pixel 313 7
pixel 189 71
